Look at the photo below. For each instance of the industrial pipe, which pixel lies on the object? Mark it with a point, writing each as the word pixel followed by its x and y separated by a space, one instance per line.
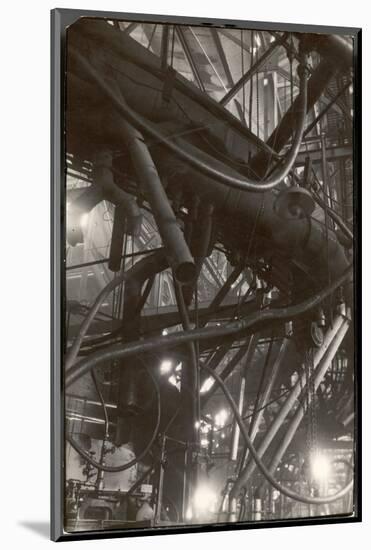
pixel 264 470
pixel 318 377
pixel 177 250
pixel 140 124
pixel 102 296
pixel 266 395
pixel 141 271
pixel 285 409
pixel 75 372
pixel 122 467
pixel 318 81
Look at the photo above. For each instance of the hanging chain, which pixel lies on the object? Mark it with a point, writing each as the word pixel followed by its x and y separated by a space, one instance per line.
pixel 311 406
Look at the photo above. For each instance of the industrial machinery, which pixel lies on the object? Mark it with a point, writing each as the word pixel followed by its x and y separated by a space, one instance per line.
pixel 209 359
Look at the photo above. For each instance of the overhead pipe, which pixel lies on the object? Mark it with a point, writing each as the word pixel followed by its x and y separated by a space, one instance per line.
pixel 286 409
pixel 177 250
pixel 310 250
pixel 140 124
pixel 75 371
pixel 148 64
pixel 292 239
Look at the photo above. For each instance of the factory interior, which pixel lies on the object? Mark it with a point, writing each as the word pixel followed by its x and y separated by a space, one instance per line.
pixel 209 329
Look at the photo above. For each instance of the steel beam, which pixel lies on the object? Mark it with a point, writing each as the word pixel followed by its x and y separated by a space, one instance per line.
pixel 246 77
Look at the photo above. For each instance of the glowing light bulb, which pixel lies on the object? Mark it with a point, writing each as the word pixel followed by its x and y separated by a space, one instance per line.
pixel 320 466
pixel 204 499
pixel 166 366
pixel 84 220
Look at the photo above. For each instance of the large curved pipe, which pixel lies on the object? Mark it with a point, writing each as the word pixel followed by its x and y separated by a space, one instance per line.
pixel 264 470
pixel 286 408
pixel 153 344
pixel 122 467
pixel 102 296
pixel 299 415
pixel 143 270
pixel 141 125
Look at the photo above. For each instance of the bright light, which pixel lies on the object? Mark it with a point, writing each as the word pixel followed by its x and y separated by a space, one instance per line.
pixel 204 442
pixel 257 41
pixel 221 418
pixel 174 381
pixel 204 499
pixel 320 466
pixel 166 366
pixel 189 513
pixel 209 382
pixel 165 332
pixel 84 220
pixel 197 424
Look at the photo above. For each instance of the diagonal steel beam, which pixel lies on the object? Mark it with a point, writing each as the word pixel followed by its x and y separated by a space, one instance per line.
pixel 253 69
pixel 188 54
pixel 227 71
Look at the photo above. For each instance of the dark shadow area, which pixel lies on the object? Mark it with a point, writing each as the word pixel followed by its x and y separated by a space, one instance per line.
pixel 42 528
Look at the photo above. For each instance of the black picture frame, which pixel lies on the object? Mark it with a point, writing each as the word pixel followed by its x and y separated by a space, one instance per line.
pixel 60 20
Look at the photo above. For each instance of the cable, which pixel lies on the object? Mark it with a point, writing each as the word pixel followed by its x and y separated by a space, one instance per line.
pixel 75 348
pixel 153 344
pixel 101 399
pixel 135 460
pixel 244 184
pixel 260 464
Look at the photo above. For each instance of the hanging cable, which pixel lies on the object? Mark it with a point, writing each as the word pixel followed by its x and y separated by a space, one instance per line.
pixel 264 470
pixel 135 460
pixel 239 183
pixel 243 325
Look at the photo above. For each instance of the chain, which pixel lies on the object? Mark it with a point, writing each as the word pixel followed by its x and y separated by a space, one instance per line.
pixel 311 406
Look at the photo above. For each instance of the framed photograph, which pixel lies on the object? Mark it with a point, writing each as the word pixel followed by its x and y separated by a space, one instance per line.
pixel 206 274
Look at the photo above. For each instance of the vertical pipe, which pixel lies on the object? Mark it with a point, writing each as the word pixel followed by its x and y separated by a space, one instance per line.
pixel 267 392
pixel 318 377
pixel 117 239
pixel 160 482
pixel 236 431
pixel 286 408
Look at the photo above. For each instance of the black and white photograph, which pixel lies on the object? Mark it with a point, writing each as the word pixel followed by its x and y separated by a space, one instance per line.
pixel 206 371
